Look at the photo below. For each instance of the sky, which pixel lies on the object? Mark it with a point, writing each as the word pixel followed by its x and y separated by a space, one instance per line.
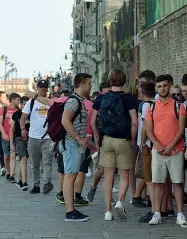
pixel 35 34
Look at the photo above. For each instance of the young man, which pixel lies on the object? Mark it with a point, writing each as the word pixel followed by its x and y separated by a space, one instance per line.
pixel 184 88
pixel 21 143
pixel 119 129
pixel 168 147
pixel 95 123
pixel 3 102
pixel 38 147
pixel 75 143
pixel 5 124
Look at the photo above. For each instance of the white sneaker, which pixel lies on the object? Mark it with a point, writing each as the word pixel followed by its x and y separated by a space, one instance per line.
pixel 120 210
pixel 156 219
pixel 115 190
pixel 181 219
pixel 109 216
pixel 3 172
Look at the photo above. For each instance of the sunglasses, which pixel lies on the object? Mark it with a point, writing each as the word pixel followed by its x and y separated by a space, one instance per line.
pixel 176 94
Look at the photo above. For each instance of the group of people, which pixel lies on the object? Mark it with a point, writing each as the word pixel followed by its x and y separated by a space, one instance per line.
pixel 142 136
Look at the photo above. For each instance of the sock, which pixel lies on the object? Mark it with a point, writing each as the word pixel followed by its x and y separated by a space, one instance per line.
pixel 61 194
pixel 78 195
pixel 179 214
pixel 158 214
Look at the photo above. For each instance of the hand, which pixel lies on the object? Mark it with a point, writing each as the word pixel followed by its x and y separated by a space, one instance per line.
pixel 12 147
pixel 5 137
pixel 159 148
pixel 185 155
pixel 168 150
pixel 83 141
pixel 24 133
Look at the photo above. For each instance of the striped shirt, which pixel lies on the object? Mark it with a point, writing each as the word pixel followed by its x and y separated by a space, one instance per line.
pixel 79 123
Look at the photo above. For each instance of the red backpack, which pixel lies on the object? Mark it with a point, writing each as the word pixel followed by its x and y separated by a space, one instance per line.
pixel 55 130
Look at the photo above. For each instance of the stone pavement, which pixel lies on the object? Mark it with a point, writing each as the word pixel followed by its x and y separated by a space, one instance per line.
pixel 25 216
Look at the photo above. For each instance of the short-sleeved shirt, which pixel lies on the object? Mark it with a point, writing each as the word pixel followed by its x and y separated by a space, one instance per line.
pixel 16 117
pixel 80 121
pixel 8 118
pixel 96 106
pixel 166 124
pixel 38 118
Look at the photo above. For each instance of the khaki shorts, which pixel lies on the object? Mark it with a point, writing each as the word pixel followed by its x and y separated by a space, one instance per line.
pixel 115 153
pixel 146 160
pixel 173 164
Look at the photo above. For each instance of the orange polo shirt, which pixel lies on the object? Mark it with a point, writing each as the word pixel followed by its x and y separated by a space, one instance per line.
pixel 166 123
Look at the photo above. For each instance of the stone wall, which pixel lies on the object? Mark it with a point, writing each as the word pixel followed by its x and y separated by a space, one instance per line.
pixel 163 46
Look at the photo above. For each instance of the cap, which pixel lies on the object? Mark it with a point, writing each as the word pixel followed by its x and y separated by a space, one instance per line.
pixel 43 84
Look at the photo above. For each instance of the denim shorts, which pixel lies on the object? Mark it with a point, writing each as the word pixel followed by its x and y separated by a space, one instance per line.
pixel 6 147
pixel 73 156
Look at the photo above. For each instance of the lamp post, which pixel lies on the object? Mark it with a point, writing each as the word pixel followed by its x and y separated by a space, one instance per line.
pixel 12 70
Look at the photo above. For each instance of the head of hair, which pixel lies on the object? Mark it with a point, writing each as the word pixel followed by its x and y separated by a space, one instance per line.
pixel 148 74
pixel 117 77
pixel 170 78
pixel 81 78
pixel 23 99
pixel 176 86
pixel 1 93
pixel 161 78
pixel 65 92
pixel 104 85
pixel 148 89
pixel 95 94
pixel 184 79
pixel 13 96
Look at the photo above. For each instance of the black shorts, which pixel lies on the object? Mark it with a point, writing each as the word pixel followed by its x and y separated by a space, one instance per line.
pixel 84 166
pixel 21 147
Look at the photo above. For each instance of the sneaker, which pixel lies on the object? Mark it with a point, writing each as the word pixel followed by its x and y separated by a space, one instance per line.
pixel 109 216
pixel 113 202
pixel 120 210
pixel 19 184
pixel 89 174
pixel 76 216
pixel 80 202
pixel 146 218
pixel 91 194
pixel 35 190
pixel 7 177
pixel 48 187
pixel 171 213
pixel 12 179
pixel 156 219
pixel 60 198
pixel 137 202
pixel 24 187
pixel 164 214
pixel 3 172
pixel 115 190
pixel 181 219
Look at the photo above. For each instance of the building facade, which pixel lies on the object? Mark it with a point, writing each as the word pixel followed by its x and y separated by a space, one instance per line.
pixel 18 85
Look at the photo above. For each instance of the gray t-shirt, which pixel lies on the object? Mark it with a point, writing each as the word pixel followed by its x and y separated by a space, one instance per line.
pixel 79 123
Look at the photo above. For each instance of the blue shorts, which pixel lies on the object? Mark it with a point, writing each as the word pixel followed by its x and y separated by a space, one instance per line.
pixel 6 147
pixel 73 156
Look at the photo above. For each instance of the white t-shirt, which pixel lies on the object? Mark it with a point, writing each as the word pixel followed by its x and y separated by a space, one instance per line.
pixel 37 119
pixel 140 124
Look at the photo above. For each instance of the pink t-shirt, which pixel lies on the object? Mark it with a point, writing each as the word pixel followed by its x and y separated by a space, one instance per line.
pixel 88 104
pixel 8 118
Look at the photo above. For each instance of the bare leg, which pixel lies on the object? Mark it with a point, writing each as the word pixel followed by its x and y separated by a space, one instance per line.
pixel 124 184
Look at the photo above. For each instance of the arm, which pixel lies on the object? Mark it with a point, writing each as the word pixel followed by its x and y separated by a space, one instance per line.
pixel 134 124
pixel 43 100
pixel 23 120
pixel 93 126
pixel 12 130
pixel 4 136
pixel 68 126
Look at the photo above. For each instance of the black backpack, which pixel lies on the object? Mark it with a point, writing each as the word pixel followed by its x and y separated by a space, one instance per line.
pixel 114 119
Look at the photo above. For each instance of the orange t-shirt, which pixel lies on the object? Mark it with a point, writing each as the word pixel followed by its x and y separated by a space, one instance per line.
pixel 166 123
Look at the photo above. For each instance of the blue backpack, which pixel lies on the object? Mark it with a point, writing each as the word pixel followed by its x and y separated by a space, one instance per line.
pixel 114 119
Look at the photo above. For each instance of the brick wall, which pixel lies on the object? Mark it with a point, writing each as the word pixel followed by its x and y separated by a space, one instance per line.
pixel 163 46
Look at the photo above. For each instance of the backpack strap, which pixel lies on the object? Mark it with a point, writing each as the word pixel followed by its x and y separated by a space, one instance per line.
pixel 152 108
pixel 5 111
pixel 31 108
pixel 177 105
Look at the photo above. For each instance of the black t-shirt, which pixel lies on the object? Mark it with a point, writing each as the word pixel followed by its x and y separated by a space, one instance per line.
pixel 16 117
